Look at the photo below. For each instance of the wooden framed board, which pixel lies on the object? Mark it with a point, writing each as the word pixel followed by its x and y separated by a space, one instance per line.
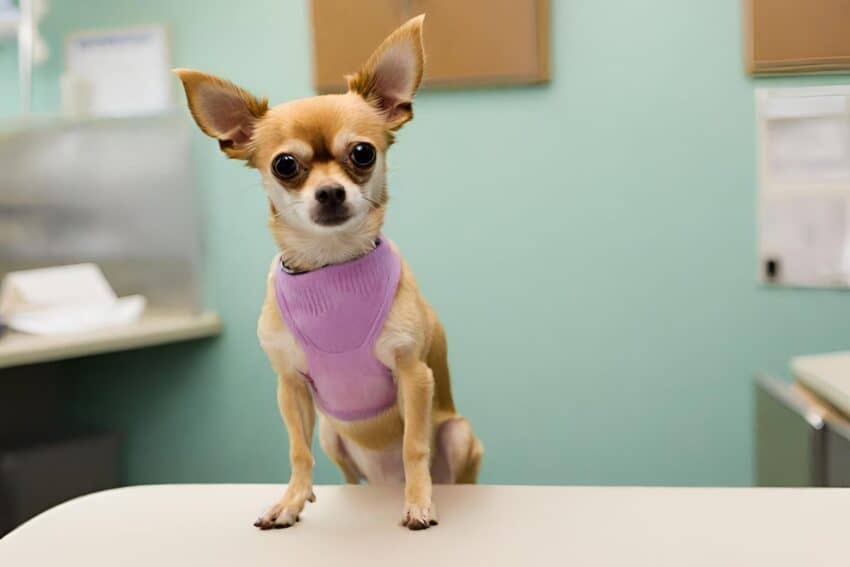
pixel 796 36
pixel 468 43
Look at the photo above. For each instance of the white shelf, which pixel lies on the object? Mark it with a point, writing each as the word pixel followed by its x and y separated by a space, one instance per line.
pixel 17 349
pixel 827 375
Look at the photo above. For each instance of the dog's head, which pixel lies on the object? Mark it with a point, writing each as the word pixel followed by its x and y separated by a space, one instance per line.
pixel 323 158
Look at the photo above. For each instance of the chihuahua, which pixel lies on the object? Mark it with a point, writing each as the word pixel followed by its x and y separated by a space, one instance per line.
pixel 344 324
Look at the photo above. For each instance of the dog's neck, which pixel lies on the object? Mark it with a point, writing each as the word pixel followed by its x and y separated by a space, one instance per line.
pixel 304 252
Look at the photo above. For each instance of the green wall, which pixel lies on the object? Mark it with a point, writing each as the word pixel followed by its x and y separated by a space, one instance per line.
pixel 588 243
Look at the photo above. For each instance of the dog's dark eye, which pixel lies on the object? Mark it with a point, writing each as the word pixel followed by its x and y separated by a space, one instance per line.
pixel 285 166
pixel 363 155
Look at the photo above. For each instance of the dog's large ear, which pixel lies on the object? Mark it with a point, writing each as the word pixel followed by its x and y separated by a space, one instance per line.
pixel 392 73
pixel 223 110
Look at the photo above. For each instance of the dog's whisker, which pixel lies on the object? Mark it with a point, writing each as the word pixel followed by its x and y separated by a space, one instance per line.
pixel 279 212
pixel 375 204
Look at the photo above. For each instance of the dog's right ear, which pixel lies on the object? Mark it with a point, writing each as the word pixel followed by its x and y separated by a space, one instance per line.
pixel 223 111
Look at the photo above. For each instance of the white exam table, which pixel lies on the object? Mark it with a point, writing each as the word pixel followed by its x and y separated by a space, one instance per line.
pixel 350 526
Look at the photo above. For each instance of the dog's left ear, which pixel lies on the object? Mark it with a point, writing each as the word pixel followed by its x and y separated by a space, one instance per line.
pixel 392 73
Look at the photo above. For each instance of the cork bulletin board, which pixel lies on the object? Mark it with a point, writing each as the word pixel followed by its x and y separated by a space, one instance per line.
pixel 796 36
pixel 467 42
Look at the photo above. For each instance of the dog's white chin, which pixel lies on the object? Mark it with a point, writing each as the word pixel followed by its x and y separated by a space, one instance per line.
pixel 344 226
pixel 352 224
pixel 312 244
pixel 324 245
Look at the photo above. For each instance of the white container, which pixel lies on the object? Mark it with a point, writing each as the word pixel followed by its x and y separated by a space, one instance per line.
pixel 76 95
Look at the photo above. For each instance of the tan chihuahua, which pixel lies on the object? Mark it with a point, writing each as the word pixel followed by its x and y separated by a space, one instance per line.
pixel 344 324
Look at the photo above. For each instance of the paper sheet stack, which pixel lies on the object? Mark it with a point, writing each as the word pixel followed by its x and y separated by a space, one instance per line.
pixel 64 299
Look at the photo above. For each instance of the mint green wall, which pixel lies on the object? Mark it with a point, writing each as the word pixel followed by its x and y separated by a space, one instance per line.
pixel 589 245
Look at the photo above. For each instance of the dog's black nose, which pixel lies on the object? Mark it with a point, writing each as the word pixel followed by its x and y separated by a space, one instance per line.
pixel 330 195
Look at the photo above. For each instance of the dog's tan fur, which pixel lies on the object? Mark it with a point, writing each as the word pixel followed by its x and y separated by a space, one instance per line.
pixel 423 429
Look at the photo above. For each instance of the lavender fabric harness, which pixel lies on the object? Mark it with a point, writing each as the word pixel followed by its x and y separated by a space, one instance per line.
pixel 336 314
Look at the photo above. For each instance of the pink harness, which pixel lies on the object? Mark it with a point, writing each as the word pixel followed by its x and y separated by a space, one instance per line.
pixel 336 314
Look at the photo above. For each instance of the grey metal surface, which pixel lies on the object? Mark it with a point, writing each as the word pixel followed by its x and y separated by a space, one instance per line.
pixel 789 437
pixel 117 192
pixel 837 454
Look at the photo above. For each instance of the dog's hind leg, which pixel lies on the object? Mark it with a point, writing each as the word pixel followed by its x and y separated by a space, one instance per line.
pixel 457 453
pixel 334 447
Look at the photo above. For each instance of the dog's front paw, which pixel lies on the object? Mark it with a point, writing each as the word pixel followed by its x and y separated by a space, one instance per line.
pixel 288 511
pixel 419 516
pixel 278 516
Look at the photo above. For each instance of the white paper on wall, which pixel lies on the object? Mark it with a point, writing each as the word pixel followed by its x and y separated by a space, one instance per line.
pixel 804 186
pixel 127 71
pixel 804 240
pixel 809 150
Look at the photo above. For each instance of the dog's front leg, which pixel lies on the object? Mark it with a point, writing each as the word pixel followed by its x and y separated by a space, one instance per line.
pixel 296 407
pixel 416 382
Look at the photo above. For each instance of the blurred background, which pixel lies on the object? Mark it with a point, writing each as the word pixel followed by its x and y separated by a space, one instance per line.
pixel 588 234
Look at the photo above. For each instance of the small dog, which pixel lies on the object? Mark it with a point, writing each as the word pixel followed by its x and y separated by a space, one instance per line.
pixel 344 324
